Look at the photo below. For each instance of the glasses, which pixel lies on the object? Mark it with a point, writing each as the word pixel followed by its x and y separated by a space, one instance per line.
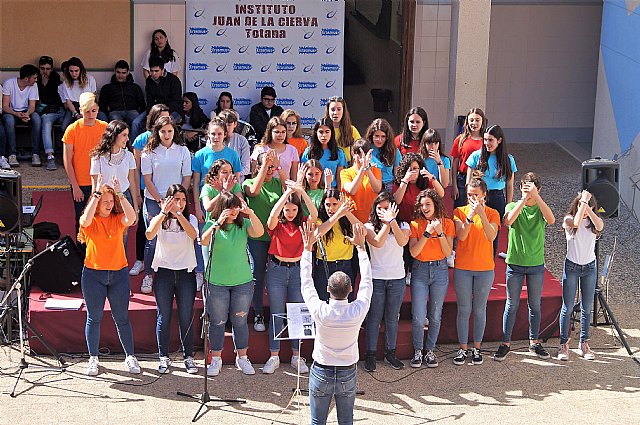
pixel 278 132
pixel 271 167
pixel 46 59
pixel 269 99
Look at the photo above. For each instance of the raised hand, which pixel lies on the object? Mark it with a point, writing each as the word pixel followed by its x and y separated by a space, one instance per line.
pixel 437 225
pixel 228 183
pixel 99 181
pixel 411 176
pixel 308 231
pixel 223 216
pixel 585 196
pixel 245 208
pixel 359 235
pixel 434 154
pixel 294 186
pixel 328 178
pixel 115 184
pixel 426 174
pixel 169 205
pixel 389 214
pixel 346 206
pixel 302 172
pixel 217 183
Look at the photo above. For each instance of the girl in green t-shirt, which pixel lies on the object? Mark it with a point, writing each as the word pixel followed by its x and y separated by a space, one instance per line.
pixel 229 275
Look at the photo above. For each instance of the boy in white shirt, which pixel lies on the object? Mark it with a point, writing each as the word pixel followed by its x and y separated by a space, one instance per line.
pixel 20 95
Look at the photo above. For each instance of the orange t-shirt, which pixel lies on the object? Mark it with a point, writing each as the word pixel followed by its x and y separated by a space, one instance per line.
pixel 364 197
pixel 300 143
pixel 432 251
pixel 84 139
pixel 475 253
pixel 105 247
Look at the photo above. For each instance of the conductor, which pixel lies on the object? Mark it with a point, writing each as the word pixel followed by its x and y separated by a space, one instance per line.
pixel 335 352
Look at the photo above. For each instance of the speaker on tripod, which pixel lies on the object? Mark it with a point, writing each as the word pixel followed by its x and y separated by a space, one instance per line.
pixel 601 177
pixel 10 201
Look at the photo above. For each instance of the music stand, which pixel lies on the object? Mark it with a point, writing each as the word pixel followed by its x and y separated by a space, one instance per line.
pixel 21 325
pixel 302 327
pixel 205 398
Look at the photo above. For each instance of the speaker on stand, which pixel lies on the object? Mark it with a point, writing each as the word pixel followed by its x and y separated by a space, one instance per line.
pixel 601 177
pixel 10 202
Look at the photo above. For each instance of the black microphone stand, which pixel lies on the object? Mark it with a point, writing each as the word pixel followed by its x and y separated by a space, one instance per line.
pixel 205 398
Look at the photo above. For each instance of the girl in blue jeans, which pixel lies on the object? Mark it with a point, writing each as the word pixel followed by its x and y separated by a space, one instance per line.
pixel 582 226
pixel 430 244
pixel 283 272
pixel 173 263
pixel 386 237
pixel 106 217
pixel 230 279
pixel 527 220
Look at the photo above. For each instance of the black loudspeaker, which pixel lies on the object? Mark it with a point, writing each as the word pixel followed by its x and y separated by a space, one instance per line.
pixel 58 268
pixel 601 177
pixel 10 202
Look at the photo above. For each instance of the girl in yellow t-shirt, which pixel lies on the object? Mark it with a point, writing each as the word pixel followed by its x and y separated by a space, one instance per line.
pixel 476 227
pixel 335 223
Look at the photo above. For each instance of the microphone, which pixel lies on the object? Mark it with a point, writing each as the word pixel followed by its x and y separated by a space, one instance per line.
pixel 323 252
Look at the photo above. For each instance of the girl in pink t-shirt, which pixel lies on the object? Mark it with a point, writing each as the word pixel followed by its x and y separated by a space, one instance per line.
pixel 283 274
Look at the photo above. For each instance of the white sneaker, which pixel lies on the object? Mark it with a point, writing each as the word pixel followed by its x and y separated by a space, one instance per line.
pixel 190 365
pixel 451 260
pixel 199 281
pixel 585 351
pixel 4 164
pixel 271 365
pixel 303 364
pixel 244 364
pixel 137 268
pixel 214 368
pixel 132 363
pixel 147 284
pixel 165 362
pixel 13 161
pixel 563 352
pixel 92 370
pixel 258 323
pixel 35 160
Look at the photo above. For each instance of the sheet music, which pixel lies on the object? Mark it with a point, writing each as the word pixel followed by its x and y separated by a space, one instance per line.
pixel 299 322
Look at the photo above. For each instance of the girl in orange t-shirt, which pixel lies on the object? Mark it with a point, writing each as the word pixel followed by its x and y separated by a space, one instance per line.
pixel 430 243
pixel 107 215
pixel 294 130
pixel 476 227
pixel 469 141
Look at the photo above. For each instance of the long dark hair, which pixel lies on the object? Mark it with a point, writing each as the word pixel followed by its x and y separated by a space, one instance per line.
pixel 466 131
pixel 154 113
pixel 345 224
pixel 227 200
pixel 439 210
pixel 274 122
pixel 167 54
pixel 431 136
pixel 373 215
pixel 406 133
pixel 83 80
pixel 387 153
pixel 108 138
pixel 315 147
pixel 503 164
pixel 197 117
pixel 172 190
pixel 299 218
pixel 314 163
pixel 154 140
pixel 346 133
pixel 218 108
pixel 215 169
pixel 405 163
pixel 573 210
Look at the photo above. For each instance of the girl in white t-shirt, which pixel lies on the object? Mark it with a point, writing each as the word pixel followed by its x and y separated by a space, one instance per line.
pixel 582 226
pixel 111 158
pixel 75 81
pixel 160 47
pixel 173 263
pixel 386 237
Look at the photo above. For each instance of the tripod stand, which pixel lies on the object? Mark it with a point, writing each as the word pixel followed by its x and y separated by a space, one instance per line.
pixel 23 363
pixel 205 398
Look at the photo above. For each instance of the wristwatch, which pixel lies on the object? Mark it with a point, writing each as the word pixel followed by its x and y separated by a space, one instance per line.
pixel 441 235
pixel 178 213
pixel 468 220
pixel 426 234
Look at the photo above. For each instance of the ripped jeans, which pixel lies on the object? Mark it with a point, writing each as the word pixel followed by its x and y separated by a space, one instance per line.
pixel 229 302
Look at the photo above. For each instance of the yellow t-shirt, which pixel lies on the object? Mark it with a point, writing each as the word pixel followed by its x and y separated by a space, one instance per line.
pixel 338 248
pixel 346 150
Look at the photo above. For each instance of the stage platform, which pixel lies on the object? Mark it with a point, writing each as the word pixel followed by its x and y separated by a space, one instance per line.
pixel 64 329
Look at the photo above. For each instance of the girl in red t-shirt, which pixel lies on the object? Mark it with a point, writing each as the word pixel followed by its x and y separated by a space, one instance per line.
pixel 283 274
pixel 412 177
pixel 414 125
pixel 469 141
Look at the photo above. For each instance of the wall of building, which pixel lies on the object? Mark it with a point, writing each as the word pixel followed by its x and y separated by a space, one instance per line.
pixel 543 62
pixel 616 132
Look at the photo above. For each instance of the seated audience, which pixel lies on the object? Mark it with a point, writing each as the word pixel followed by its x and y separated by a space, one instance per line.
pixel 263 111
pixel 50 107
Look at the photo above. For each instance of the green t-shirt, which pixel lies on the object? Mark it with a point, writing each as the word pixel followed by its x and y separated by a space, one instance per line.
pixel 211 192
pixel 316 197
pixel 263 203
pixel 229 260
pixel 526 237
